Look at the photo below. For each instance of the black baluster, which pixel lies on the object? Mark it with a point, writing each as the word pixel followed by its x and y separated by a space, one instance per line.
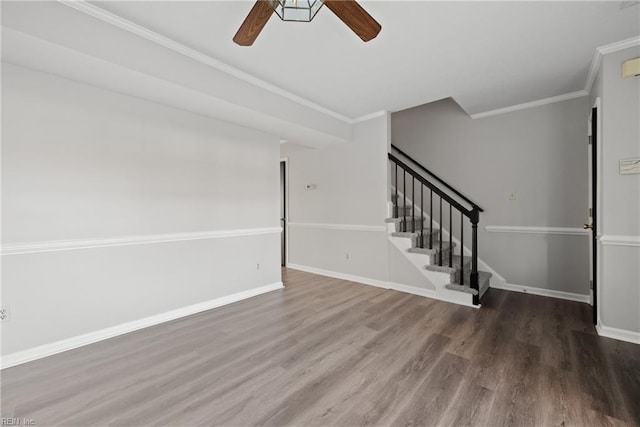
pixel 431 219
pixel 413 204
pixel 450 237
pixel 440 240
pixel 421 215
pixel 474 256
pixel 461 249
pixel 404 198
pixel 395 201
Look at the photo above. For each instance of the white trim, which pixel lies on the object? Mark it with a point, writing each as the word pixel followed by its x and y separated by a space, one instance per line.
pixel 349 227
pixel 39 352
pixel 427 293
pixel 569 296
pixel 611 240
pixel 524 106
pixel 54 246
pixel 124 24
pixel 565 231
pixel 593 70
pixel 620 45
pixel 604 50
pixel 369 117
pixel 618 334
pixel 343 276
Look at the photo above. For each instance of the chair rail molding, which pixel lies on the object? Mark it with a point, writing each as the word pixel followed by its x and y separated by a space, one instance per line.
pixel 67 245
pixel 623 240
pixel 348 227
pixel 566 231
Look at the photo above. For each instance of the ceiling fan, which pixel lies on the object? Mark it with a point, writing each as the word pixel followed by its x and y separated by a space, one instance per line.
pixel 349 12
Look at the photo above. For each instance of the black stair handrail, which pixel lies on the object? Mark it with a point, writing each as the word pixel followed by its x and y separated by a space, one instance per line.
pixel 408 169
pixel 410 223
pixel 453 190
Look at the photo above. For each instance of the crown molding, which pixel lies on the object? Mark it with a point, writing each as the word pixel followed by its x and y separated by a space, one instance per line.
pixel 621 45
pixel 94 11
pixel 531 104
pixel 604 50
pixel 591 76
pixel 593 70
pixel 369 116
pixel 124 24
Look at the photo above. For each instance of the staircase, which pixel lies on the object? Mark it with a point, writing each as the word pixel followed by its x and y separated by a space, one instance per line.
pixel 429 222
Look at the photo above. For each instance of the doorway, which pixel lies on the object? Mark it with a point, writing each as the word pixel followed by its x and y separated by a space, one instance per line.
pixel 592 221
pixel 283 212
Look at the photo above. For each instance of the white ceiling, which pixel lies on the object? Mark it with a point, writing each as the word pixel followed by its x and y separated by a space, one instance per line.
pixel 486 55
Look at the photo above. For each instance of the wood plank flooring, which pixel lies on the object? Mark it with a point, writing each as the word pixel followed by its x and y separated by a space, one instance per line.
pixel 330 352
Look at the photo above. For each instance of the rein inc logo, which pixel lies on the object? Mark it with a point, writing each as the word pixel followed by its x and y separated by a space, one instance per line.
pixel 18 422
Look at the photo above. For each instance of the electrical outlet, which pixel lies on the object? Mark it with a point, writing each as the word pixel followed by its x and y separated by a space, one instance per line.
pixel 5 314
pixel 513 195
pixel 258 266
pixel 347 256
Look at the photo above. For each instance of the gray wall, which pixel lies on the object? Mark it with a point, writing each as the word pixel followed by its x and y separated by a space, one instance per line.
pixel 541 154
pixel 80 164
pixel 345 212
pixel 620 214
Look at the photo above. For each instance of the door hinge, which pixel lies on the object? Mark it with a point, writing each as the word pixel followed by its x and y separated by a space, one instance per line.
pixel 590 139
pixel 590 211
pixel 591 284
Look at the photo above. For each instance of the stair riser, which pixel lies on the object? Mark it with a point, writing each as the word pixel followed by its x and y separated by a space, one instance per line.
pixel 400 225
pixel 467 281
pixel 434 259
pixel 405 209
pixel 416 240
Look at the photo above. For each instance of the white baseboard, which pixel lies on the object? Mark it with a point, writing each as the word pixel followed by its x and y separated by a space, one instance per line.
pixel 338 275
pixel 39 352
pixel 618 334
pixel 569 296
pixel 385 285
pixel 462 300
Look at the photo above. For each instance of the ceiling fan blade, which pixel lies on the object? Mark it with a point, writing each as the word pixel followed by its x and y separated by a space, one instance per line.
pixel 253 23
pixel 356 18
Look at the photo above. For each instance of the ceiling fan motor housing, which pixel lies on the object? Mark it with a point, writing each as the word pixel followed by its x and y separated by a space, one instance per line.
pixel 296 10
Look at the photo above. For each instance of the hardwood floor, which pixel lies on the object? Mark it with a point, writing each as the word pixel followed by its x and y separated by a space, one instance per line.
pixel 330 352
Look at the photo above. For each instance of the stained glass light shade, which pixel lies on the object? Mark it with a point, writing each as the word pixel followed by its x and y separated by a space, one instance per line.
pixel 296 10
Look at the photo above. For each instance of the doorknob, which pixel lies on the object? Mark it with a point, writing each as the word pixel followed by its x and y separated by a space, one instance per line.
pixel 587 226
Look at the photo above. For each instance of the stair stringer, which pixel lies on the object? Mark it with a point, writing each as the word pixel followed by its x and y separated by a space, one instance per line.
pixel 435 279
pixel 496 281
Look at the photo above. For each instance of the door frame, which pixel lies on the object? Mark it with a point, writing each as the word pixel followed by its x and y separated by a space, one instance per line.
pixel 597 210
pixel 285 227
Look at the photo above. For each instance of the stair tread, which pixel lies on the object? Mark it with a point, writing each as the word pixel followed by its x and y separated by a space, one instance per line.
pixel 434 250
pixel 483 283
pixel 402 218
pixel 425 231
pixel 455 265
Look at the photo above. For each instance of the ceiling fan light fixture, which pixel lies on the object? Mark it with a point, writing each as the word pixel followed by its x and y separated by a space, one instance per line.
pixel 296 10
